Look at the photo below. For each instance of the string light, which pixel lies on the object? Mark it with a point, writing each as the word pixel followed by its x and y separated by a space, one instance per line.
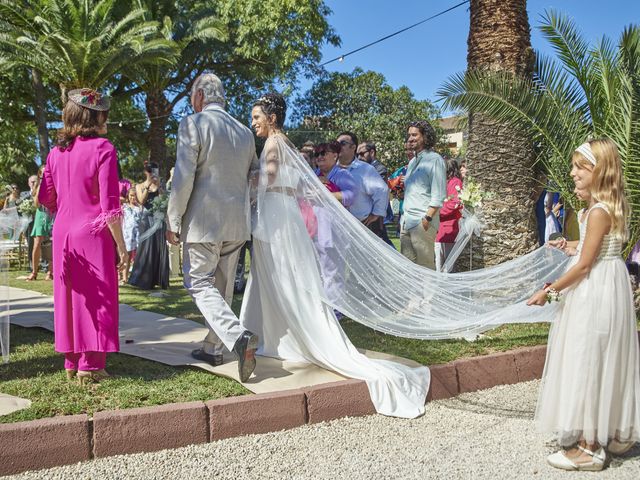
pixel 341 57
pixel 147 120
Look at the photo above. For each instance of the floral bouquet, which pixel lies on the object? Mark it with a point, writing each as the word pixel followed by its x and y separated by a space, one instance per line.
pixel 160 203
pixel 27 208
pixel 471 194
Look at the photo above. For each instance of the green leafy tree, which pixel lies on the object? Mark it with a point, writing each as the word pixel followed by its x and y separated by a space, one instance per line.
pixel 252 45
pixel 18 150
pixel 587 91
pixel 77 43
pixel 362 102
pixel 271 44
pixel 189 28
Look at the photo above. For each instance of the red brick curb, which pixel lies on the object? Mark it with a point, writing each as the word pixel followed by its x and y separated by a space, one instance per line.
pixel 63 440
pixel 44 443
pixel 268 412
pixel 149 429
pixel 348 398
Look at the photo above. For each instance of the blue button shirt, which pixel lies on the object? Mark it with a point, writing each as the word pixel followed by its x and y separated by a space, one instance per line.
pixel 342 179
pixel 425 185
pixel 373 193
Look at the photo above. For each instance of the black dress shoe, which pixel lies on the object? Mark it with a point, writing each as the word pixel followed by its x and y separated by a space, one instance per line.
pixel 200 354
pixel 245 348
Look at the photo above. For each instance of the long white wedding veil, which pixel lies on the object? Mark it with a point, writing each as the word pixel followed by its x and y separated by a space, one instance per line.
pixel 12 226
pixel 376 285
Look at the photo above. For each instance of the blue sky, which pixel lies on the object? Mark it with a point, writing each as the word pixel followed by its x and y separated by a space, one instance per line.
pixel 423 58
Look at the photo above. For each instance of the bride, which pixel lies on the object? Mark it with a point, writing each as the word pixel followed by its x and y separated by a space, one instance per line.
pixel 285 302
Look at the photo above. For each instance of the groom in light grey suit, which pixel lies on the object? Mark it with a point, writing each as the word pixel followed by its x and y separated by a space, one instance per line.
pixel 209 212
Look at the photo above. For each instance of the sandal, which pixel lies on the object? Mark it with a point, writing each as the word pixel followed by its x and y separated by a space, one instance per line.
pixel 49 276
pixel 71 373
pixel 87 377
pixel 32 277
pixel 616 447
pixel 560 460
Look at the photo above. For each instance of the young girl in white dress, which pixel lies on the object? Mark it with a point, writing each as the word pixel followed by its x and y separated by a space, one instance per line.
pixel 130 229
pixel 590 393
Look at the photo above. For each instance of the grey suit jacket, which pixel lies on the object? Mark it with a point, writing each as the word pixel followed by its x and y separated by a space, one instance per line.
pixel 209 199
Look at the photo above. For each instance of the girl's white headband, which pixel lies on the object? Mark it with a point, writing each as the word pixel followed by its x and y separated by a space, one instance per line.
pixel 585 150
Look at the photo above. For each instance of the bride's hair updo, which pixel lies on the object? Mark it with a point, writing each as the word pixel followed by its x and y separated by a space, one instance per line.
pixel 273 104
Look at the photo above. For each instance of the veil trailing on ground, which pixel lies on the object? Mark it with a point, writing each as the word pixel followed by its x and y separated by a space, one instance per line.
pixel 11 227
pixel 374 284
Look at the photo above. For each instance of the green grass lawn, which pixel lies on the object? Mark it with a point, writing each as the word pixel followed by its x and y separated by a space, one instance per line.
pixel 36 371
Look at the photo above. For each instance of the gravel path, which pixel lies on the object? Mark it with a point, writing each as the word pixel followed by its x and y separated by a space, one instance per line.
pixel 482 435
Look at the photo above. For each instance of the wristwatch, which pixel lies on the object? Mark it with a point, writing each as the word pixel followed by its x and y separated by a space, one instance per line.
pixel 428 218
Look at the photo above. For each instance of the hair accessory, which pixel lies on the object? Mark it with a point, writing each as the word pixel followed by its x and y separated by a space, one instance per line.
pixel 586 152
pixel 89 98
pixel 273 103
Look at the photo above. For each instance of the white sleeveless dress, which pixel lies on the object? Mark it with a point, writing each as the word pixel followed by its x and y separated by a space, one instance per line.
pixel 591 382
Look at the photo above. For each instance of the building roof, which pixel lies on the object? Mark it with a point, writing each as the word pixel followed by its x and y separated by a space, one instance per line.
pixel 451 124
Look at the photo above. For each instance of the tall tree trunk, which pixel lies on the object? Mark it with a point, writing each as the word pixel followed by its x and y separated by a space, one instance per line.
pixel 40 109
pixel 499 157
pixel 158 111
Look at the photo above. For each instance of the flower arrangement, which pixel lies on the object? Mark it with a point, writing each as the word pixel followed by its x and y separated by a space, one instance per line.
pixel 160 203
pixel 471 194
pixel 27 208
pixel 89 97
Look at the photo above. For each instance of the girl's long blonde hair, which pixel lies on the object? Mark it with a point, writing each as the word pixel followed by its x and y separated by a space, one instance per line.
pixel 607 185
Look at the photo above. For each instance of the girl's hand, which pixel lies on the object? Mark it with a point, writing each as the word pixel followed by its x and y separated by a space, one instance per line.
pixel 539 298
pixel 560 243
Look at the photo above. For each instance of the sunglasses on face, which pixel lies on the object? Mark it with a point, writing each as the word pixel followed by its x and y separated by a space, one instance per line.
pixel 321 154
pixel 344 143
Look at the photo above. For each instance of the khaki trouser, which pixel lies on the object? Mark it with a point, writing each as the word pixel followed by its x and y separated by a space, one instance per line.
pixel 209 272
pixel 418 245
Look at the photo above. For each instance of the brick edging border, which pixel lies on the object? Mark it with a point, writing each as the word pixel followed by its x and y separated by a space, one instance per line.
pixel 51 442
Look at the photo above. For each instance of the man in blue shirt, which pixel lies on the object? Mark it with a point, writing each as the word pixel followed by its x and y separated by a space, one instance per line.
pixel 370 204
pixel 425 189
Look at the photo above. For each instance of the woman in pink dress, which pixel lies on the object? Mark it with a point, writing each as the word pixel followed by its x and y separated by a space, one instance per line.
pixel 450 215
pixel 80 184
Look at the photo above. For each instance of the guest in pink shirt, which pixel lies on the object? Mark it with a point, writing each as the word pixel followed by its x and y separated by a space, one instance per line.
pixel 80 184
pixel 450 215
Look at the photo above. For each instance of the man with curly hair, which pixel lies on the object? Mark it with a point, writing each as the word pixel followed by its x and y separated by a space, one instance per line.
pixel 425 187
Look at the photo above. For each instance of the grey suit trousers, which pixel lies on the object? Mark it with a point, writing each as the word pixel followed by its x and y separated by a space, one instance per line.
pixel 209 272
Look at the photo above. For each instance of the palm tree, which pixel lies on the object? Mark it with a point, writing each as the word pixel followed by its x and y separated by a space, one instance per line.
pixel 501 157
pixel 77 43
pixel 190 33
pixel 588 91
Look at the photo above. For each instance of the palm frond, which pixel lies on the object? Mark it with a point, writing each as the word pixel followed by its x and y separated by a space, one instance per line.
pixel 587 91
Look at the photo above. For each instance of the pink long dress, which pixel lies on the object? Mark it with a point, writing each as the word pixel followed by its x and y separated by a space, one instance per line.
pixel 80 184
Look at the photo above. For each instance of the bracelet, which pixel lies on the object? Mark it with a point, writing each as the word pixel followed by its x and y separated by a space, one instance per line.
pixel 553 295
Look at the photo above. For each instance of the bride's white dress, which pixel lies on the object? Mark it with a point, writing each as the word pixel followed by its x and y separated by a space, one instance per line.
pixel 284 303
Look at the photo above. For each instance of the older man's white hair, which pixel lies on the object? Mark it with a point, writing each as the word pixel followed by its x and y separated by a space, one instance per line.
pixel 211 87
